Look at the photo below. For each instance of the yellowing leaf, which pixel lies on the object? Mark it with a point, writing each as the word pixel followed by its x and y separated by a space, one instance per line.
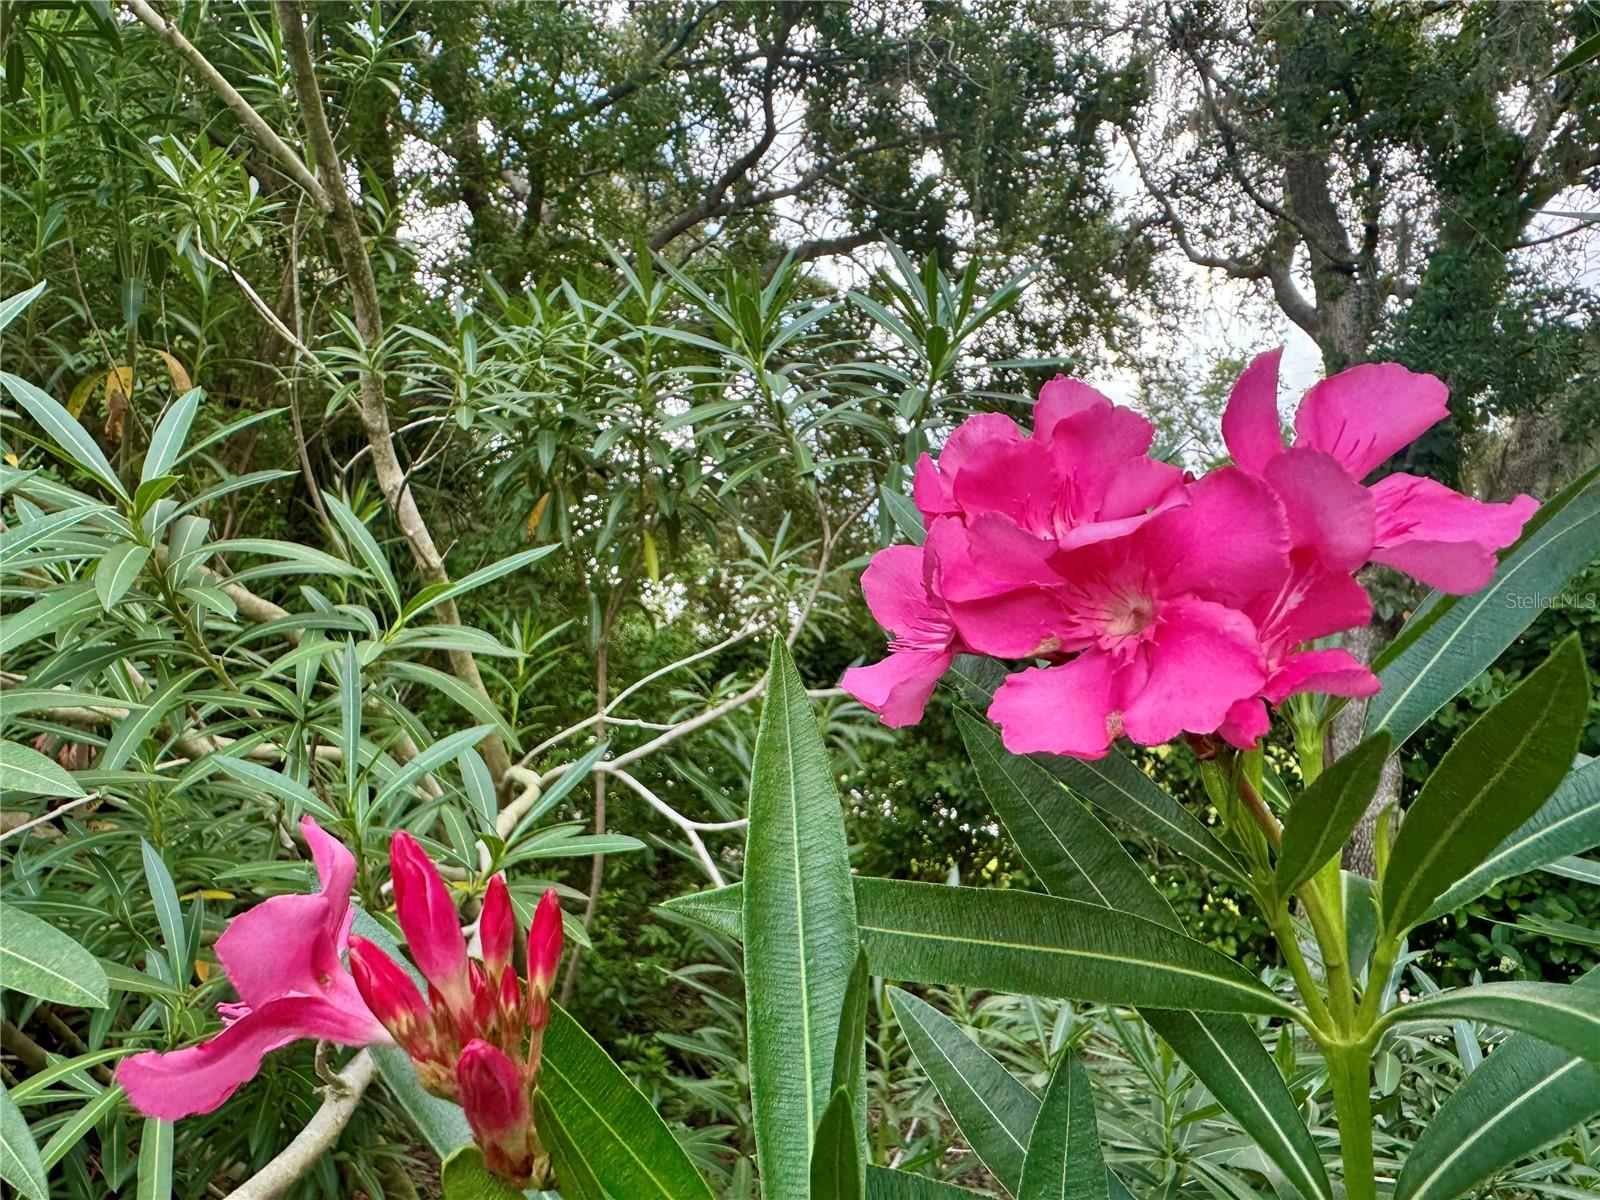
pixel 532 524
pixel 208 894
pixel 81 393
pixel 181 382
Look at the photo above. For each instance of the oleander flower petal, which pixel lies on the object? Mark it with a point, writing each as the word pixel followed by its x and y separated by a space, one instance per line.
pixel 1250 424
pixel 1447 540
pixel 1364 414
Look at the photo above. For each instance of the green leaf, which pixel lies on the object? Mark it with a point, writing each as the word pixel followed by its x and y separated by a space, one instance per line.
pixel 1522 1097
pixel 64 430
pixel 1116 786
pixel 46 615
pixel 117 569
pixel 1568 824
pixel 365 546
pixel 26 772
pixel 142 723
pixel 624 1143
pixel 298 796
pixel 1320 821
pixel 1064 1160
pixel 72 1130
pixel 166 441
pixel 446 749
pixel 453 689
pixel 1584 53
pixel 1452 639
pixel 884 1184
pixel 19 1155
pixel 169 914
pixel 463 1176
pixel 1075 856
pixel 1561 1014
pixel 436 594
pixel 573 1176
pixel 37 959
pixel 994 1112
pixel 849 1064
pixel 1227 1055
pixel 30 533
pixel 718 909
pixel 155 1160
pixel 1064 844
pixel 1023 942
pixel 905 515
pixel 13 305
pixel 800 912
pixel 837 1169
pixel 1494 778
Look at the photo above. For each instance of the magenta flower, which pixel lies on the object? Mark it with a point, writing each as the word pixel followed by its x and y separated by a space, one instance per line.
pixel 923 641
pixel 1153 620
pixel 1345 427
pixel 1311 602
pixel 1083 476
pixel 283 958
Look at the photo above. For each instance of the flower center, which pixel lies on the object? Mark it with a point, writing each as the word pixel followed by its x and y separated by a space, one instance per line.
pixel 1128 615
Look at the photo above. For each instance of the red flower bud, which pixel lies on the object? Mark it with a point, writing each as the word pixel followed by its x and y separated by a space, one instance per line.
pixel 497 927
pixel 485 1001
pixel 427 915
pixel 510 997
pixel 389 992
pixel 544 944
pixel 496 1105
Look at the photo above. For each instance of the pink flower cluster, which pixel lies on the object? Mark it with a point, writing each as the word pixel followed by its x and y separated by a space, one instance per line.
pixel 1165 604
pixel 476 1040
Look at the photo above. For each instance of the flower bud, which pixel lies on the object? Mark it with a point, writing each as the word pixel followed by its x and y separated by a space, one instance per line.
pixel 394 999
pixel 497 927
pixel 389 992
pixel 496 1104
pixel 485 1002
pixel 544 944
pixel 427 915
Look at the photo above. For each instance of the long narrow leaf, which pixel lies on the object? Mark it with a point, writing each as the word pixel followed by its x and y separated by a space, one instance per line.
pixel 800 914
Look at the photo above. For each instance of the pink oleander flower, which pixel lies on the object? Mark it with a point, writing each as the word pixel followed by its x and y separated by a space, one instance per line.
pixel 1152 621
pixel 1311 602
pixel 427 916
pixel 1016 499
pixel 1345 427
pixel 1084 474
pixel 283 959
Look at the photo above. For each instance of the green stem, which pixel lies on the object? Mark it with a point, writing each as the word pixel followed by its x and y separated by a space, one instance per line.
pixel 1378 980
pixel 1283 930
pixel 1350 1072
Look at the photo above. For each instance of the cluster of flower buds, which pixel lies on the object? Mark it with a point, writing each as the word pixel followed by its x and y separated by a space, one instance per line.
pixel 478 1036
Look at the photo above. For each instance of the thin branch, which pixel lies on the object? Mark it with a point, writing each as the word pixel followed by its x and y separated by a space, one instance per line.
pixel 690 828
pixel 237 104
pixel 372 402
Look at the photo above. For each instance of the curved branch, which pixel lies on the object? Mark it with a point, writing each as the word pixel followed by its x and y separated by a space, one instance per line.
pixel 339 1103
